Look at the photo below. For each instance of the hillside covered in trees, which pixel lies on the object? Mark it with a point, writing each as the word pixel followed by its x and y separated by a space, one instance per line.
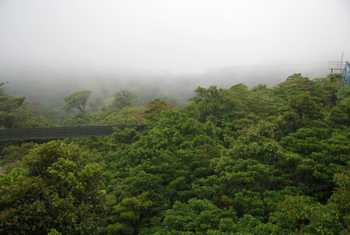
pixel 237 160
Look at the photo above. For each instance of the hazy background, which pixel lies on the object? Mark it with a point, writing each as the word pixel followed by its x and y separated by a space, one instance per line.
pixel 168 46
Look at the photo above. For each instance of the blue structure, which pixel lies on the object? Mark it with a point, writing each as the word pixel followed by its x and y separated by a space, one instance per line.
pixel 347 73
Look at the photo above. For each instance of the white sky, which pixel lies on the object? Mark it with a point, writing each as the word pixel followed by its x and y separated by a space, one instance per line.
pixel 179 36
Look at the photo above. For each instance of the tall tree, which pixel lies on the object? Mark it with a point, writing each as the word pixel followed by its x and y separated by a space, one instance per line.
pixel 77 101
pixel 122 99
pixel 8 107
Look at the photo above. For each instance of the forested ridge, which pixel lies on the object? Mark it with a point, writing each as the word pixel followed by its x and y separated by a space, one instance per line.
pixel 238 160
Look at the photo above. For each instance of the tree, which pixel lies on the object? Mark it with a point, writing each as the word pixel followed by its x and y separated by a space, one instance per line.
pixel 129 216
pixel 60 187
pixel 122 99
pixel 299 214
pixel 340 114
pixel 1 88
pixel 340 200
pixel 210 104
pixel 198 216
pixel 9 107
pixel 77 101
pixel 155 107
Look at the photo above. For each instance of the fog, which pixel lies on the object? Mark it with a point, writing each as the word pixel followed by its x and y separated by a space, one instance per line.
pixel 134 42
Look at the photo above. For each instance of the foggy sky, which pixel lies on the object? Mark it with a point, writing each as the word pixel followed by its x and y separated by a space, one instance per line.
pixel 177 36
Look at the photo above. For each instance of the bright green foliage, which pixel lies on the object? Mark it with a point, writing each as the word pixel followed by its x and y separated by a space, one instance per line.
pixel 127 116
pixel 54 232
pixel 57 188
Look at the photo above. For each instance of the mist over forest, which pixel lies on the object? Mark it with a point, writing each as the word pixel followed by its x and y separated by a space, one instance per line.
pixel 166 117
pixel 163 48
pixel 47 87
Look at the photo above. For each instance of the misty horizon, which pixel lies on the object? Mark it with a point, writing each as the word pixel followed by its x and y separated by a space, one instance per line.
pixel 170 37
pixel 152 117
pixel 163 47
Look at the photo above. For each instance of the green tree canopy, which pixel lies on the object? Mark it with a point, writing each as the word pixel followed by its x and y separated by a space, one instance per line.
pixel 122 99
pixel 77 101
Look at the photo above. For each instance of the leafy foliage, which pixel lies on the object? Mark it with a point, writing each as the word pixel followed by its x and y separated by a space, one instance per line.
pixel 122 99
pixel 233 161
pixel 77 101
pixel 58 187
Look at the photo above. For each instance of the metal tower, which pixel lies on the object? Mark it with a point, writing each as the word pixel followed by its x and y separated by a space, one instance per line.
pixel 347 73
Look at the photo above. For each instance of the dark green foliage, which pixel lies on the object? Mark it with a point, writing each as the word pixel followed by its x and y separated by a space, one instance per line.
pixel 340 114
pixel 233 161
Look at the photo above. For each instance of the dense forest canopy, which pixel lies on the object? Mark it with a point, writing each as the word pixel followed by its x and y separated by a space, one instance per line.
pixel 238 160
